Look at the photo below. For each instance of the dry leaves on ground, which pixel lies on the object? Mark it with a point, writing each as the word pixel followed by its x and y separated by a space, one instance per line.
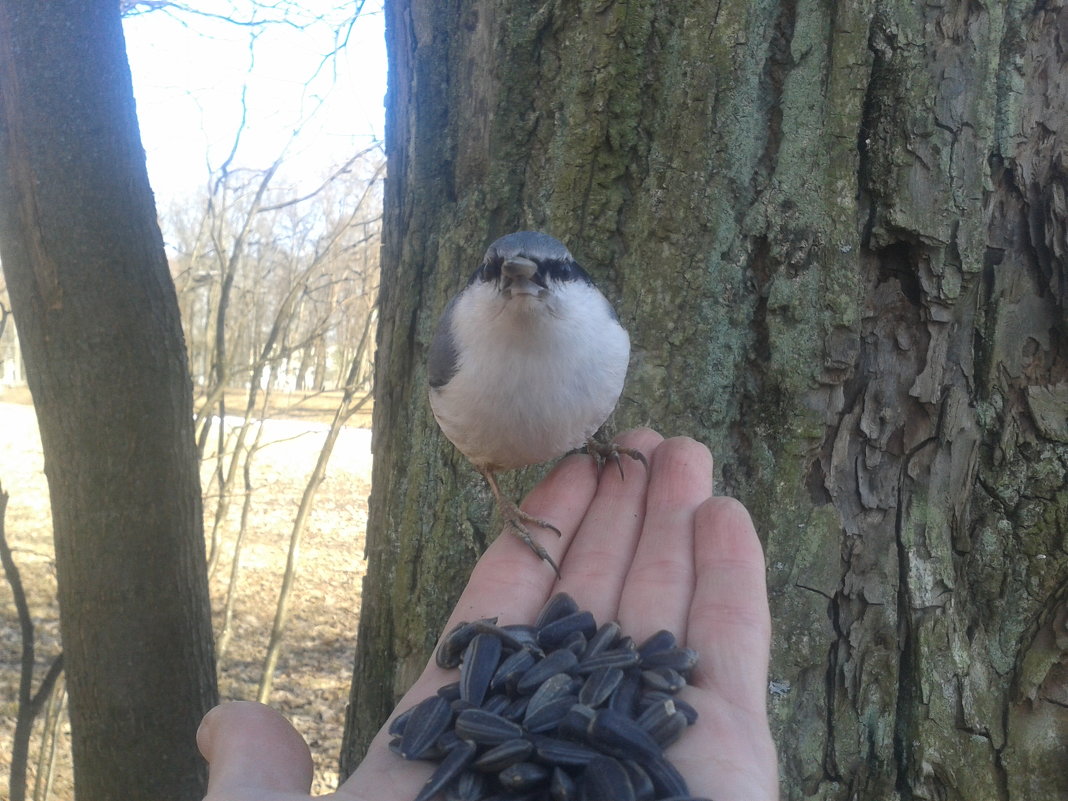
pixel 312 682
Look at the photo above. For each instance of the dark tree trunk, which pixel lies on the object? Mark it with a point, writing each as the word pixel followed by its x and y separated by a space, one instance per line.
pixel 98 321
pixel 837 234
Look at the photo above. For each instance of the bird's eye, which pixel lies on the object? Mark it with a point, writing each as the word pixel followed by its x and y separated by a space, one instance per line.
pixel 556 269
pixel 491 269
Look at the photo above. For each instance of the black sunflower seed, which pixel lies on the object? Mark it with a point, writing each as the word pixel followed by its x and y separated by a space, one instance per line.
pixel 556 633
pixel 621 658
pixel 618 735
pixel 485 727
pixel 664 679
pixel 450 692
pixel 497 704
pixel 606 779
pixel 557 662
pixel 548 715
pixel 640 781
pixel 455 761
pixel 428 721
pixel 552 688
pixel 656 713
pixel 501 756
pixel 469 786
pixel 563 753
pixel 453 644
pixel 480 661
pixel 575 642
pixel 659 641
pixel 555 608
pixel 603 639
pixel 559 711
pixel 523 775
pixel 664 722
pixel 681 659
pixel 599 685
pixel 670 730
pixel 396 726
pixel 575 722
pixel 667 781
pixel 511 670
pixel 651 697
pixel 624 698
pixel 526 636
pixel 516 708
pixel 562 786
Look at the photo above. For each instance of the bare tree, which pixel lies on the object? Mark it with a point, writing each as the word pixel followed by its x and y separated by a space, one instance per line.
pixel 99 328
pixel 350 404
pixel 297 268
pixel 298 263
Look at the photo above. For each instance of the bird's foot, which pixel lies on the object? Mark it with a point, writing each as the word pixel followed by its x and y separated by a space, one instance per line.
pixel 516 519
pixel 602 452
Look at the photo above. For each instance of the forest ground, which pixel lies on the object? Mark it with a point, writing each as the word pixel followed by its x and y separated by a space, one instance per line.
pixel 312 682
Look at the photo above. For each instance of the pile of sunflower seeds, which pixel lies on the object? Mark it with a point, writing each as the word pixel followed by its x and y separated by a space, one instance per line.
pixel 562 710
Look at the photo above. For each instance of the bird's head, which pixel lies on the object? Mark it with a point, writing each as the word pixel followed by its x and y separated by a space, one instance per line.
pixel 528 263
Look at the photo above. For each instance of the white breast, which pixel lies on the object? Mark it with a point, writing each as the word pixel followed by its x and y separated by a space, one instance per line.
pixel 535 378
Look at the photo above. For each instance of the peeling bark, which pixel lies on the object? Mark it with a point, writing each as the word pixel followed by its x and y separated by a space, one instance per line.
pixel 837 235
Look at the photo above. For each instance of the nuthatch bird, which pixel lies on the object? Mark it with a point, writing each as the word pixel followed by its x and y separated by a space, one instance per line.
pixel 527 363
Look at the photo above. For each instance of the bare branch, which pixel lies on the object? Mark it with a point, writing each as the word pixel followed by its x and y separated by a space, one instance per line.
pixel 340 42
pixel 342 170
pixel 135 8
pixel 29 704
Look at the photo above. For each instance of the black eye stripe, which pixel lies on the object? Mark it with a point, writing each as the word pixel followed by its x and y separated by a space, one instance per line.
pixel 548 270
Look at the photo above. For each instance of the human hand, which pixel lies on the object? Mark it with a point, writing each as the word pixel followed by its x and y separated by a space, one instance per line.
pixel 652 552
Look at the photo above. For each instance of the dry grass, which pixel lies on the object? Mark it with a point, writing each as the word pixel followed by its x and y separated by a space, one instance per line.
pixel 312 683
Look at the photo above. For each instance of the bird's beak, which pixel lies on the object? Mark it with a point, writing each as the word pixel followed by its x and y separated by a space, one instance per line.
pixel 518 267
pixel 519 276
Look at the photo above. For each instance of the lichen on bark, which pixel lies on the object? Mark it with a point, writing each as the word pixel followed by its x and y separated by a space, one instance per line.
pixel 836 235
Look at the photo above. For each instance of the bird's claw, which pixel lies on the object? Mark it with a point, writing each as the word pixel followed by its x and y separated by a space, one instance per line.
pixel 515 518
pixel 523 533
pixel 603 452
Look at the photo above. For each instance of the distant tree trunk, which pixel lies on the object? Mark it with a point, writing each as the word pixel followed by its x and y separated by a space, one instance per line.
pixel 837 234
pixel 98 322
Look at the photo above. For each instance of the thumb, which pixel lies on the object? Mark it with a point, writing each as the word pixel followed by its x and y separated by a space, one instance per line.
pixel 254 754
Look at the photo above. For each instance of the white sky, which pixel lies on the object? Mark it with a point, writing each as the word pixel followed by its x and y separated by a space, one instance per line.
pixel 188 73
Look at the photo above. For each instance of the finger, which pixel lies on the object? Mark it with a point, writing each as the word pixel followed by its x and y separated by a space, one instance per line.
pixel 511 583
pixel 599 556
pixel 253 753
pixel 730 624
pixel 660 583
pixel 730 627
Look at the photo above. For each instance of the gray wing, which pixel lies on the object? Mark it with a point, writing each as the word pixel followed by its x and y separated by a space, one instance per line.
pixel 443 360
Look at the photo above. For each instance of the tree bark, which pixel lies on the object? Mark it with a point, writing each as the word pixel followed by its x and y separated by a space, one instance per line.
pixel 98 321
pixel 837 235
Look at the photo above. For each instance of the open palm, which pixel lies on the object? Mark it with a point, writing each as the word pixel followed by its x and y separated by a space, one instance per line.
pixel 653 552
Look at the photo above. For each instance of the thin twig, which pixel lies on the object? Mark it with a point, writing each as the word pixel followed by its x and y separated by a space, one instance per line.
pixel 29 704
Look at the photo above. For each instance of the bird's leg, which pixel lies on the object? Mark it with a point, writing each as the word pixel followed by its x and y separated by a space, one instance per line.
pixel 516 518
pixel 602 452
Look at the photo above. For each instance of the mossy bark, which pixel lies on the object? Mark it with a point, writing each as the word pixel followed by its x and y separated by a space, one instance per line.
pixel 837 235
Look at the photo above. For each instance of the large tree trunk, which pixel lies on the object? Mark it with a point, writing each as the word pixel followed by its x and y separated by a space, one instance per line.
pixel 837 234
pixel 98 321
